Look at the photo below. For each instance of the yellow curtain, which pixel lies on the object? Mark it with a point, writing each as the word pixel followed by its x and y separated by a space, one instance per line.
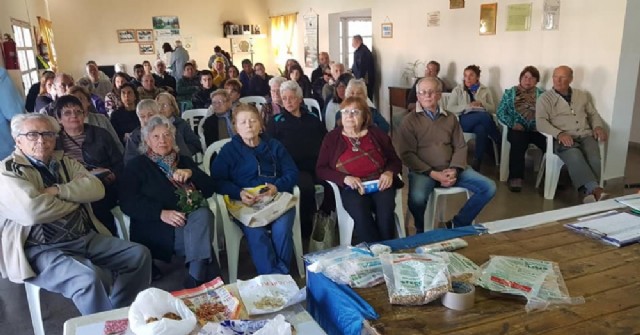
pixel 46 32
pixel 283 30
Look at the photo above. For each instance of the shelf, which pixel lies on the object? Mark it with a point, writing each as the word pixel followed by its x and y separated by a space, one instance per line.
pixel 247 36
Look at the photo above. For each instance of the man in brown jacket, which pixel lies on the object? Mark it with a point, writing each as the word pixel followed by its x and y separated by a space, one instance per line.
pixel 432 146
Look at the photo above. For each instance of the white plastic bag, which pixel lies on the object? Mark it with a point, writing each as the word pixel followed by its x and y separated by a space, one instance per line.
pixel 414 279
pixel 154 302
pixel 269 293
pixel 275 326
pixel 353 266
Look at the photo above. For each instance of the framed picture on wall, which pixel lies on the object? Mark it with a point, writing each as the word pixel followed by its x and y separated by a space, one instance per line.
pixel 144 35
pixel 387 30
pixel 126 35
pixel 488 14
pixel 146 49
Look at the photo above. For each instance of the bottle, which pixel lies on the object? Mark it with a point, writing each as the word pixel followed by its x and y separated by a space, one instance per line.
pixel 449 245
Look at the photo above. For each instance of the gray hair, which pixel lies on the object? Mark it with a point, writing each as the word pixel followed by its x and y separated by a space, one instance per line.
pixel 147 104
pixel 291 85
pixel 353 84
pixel 17 122
pixel 153 123
pixel 221 92
pixel 432 80
pixel 276 81
pixel 334 65
pixel 160 61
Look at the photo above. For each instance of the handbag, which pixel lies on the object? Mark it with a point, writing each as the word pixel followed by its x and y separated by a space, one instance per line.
pixel 262 213
pixel 323 235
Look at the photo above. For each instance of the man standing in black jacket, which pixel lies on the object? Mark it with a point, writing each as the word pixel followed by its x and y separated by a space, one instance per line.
pixel 363 66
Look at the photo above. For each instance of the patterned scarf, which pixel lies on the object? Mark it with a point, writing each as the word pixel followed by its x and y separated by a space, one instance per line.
pixel 168 164
pixel 525 102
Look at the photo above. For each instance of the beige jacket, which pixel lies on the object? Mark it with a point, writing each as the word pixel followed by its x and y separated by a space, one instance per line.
pixel 459 99
pixel 22 205
pixel 554 115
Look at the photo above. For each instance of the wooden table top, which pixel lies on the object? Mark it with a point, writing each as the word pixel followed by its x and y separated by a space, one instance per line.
pixel 607 277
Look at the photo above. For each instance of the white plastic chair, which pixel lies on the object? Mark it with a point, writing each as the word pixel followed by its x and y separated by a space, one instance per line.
pixel 33 299
pixel 215 147
pixel 255 100
pixel 123 222
pixel 504 155
pixel 471 136
pixel 551 166
pixel 311 104
pixel 432 205
pixel 195 117
pixel 233 236
pixel 346 223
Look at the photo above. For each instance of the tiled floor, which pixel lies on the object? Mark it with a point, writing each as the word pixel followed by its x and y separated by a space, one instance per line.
pixel 14 312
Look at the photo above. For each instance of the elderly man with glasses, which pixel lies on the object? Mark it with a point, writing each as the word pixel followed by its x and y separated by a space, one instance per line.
pixel 49 235
pixel 432 146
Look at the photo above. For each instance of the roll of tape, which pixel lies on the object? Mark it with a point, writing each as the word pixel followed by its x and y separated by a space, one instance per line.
pixel 461 297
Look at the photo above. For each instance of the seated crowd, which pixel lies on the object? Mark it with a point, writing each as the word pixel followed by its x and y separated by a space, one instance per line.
pixel 90 146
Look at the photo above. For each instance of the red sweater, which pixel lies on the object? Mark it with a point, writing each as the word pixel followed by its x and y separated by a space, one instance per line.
pixel 333 146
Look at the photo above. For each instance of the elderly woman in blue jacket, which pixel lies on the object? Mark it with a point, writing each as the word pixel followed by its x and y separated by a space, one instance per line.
pixel 517 110
pixel 253 159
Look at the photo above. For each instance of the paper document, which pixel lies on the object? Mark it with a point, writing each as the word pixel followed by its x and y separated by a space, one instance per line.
pixel 631 202
pixel 617 229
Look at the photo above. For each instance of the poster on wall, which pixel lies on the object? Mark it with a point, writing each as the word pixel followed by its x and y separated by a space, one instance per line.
pixel 551 15
pixel 519 17
pixel 311 41
pixel 488 14
pixel 433 19
pixel 166 30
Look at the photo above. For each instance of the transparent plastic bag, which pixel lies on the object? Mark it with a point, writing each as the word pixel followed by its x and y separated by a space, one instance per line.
pixel 460 267
pixel 414 279
pixel 539 281
pixel 353 266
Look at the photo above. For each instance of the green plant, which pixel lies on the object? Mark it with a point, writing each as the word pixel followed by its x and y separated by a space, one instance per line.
pixel 190 199
pixel 410 71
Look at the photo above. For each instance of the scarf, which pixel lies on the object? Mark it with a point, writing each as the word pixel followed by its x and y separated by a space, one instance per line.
pixel 525 102
pixel 168 164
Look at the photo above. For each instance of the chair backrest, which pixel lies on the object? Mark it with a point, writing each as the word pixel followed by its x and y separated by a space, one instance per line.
pixel 313 104
pixel 255 100
pixel 444 100
pixel 214 148
pixel 194 116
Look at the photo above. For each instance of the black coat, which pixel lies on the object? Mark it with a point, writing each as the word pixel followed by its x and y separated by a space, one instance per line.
pixel 145 191
pixel 99 149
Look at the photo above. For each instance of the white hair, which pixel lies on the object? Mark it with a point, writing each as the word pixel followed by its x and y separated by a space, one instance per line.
pixel 291 85
pixel 147 104
pixel 353 84
pixel 154 122
pixel 17 122
pixel 276 81
pixel 432 80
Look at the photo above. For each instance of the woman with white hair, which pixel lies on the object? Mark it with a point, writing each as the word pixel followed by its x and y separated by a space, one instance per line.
pixel 149 195
pixel 301 132
pixel 274 102
pixel 358 88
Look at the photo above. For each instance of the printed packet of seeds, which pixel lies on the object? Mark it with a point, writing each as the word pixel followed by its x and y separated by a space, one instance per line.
pixel 414 279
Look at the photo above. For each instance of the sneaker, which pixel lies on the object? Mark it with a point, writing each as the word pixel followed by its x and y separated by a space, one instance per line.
pixel 599 194
pixel 515 185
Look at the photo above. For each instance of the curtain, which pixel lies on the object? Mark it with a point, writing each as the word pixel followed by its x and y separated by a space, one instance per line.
pixel 283 36
pixel 46 48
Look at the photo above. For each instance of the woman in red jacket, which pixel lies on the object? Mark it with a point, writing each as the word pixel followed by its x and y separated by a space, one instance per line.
pixel 357 152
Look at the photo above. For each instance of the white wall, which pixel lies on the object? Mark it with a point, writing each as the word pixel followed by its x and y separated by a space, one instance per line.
pixel 86 29
pixel 23 10
pixel 589 40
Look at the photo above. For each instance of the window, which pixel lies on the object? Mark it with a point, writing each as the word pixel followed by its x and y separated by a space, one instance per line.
pixel 349 27
pixel 26 54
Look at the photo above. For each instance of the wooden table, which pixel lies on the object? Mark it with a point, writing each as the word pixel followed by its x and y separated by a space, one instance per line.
pixel 397 98
pixel 607 277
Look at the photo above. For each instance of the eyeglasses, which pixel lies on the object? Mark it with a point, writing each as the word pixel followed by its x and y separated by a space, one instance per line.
pixel 428 93
pixel 351 112
pixel 69 113
pixel 217 102
pixel 34 135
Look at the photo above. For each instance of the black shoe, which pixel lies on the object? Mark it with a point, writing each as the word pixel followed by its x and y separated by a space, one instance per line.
pixel 190 282
pixel 156 273
pixel 449 224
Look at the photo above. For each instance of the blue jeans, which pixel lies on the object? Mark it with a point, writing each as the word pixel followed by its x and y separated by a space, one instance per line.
pixel 421 187
pixel 485 129
pixel 271 253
